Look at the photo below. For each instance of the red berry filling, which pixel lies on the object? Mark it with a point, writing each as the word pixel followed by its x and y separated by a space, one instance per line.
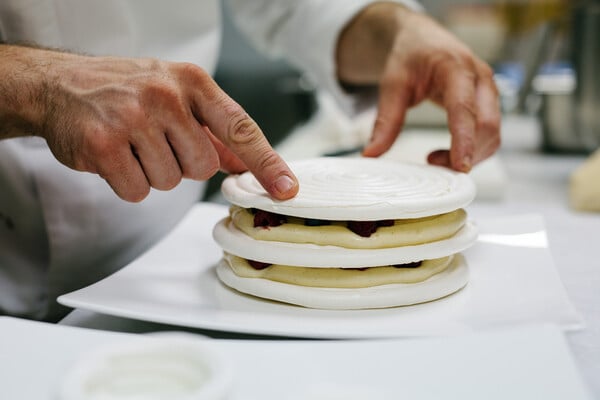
pixel 367 228
pixel 409 265
pixel 265 219
pixel 385 222
pixel 258 265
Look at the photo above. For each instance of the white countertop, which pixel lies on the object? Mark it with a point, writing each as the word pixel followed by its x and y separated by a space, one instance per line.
pixel 536 183
pixel 526 362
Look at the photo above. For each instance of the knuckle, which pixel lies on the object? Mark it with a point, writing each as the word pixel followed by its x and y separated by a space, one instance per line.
pixel 467 144
pixel 159 94
pixel 210 167
pixel 188 68
pixel 382 128
pixel 125 185
pixel 79 162
pixel 268 160
pixel 231 164
pixel 495 143
pixel 490 126
pixel 241 128
pixel 130 114
pixel 465 98
pixel 448 62
pixel 116 171
pixel 464 104
pixel 464 56
pixel 393 80
pixel 173 178
pixel 189 72
pixel 204 165
pixel 169 181
pixel 136 195
pixel 381 119
pixel 159 90
pixel 468 75
pixel 100 145
pixel 389 120
pixel 75 155
pixel 485 71
pixel 489 149
pixel 440 61
pixel 151 64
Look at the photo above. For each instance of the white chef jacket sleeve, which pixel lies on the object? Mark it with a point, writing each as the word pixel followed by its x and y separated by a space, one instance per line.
pixel 305 33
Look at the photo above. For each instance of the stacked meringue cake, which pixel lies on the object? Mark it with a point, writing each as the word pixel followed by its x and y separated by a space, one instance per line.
pixel 361 233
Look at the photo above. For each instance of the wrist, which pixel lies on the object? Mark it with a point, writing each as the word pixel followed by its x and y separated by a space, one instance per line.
pixel 24 90
pixel 366 41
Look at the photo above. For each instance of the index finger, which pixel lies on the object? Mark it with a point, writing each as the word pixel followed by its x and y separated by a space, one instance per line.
pixel 228 121
pixel 459 88
pixel 395 96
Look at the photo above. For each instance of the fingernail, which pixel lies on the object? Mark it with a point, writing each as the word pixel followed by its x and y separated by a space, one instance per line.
pixel 284 184
pixel 467 163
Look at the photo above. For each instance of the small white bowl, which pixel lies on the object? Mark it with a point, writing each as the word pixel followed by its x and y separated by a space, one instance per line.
pixel 173 366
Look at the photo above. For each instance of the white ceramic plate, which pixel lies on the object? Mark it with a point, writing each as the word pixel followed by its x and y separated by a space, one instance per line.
pixel 512 281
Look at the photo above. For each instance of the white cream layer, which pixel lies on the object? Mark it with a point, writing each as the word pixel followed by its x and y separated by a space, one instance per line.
pixel 405 232
pixel 234 241
pixel 338 277
pixel 446 282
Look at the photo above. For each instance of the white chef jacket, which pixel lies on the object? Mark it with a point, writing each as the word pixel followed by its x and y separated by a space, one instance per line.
pixel 61 229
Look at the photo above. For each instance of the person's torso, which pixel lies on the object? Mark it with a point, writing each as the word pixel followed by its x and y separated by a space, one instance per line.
pixel 61 229
pixel 176 30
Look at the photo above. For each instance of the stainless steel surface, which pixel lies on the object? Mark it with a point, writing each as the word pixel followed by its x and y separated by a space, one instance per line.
pixel 558 123
pixel 586 59
pixel 570 103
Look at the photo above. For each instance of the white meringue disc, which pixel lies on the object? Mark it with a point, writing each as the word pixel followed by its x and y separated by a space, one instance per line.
pixel 359 189
pixel 440 285
pixel 236 242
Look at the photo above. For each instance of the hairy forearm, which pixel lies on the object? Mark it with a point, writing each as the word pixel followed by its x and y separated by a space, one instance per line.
pixel 23 90
pixel 136 122
pixel 364 44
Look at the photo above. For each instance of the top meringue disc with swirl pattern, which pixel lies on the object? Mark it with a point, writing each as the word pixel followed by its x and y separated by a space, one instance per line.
pixel 360 189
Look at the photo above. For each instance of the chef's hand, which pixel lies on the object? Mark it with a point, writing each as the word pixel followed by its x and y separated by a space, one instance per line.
pixel 412 58
pixel 142 123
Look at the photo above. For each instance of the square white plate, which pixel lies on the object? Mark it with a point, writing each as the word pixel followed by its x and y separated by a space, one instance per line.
pixel 513 281
pixel 519 363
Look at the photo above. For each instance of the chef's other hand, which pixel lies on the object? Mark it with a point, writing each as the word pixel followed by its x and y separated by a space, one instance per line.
pixel 138 123
pixel 412 58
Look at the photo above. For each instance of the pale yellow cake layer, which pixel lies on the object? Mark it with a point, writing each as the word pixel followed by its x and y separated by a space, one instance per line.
pixel 404 232
pixel 338 277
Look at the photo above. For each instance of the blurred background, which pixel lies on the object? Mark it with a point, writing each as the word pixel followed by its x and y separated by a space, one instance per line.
pixel 545 54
